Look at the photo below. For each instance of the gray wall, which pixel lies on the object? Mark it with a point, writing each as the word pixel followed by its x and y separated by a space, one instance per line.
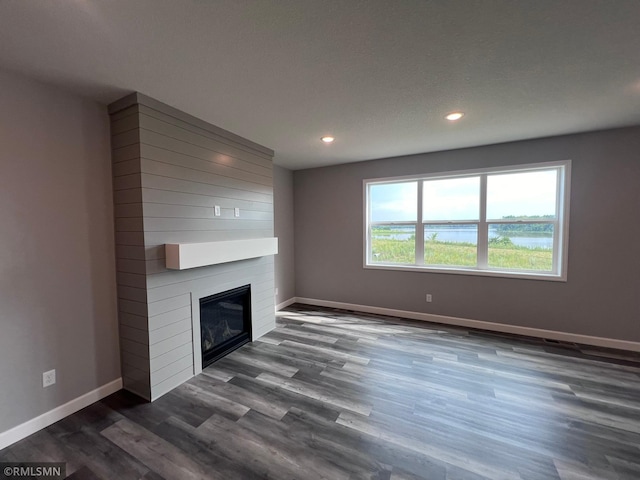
pixel 170 169
pixel 284 230
pixel 57 268
pixel 600 298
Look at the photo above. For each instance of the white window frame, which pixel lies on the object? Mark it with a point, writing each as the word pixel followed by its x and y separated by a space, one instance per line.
pixel 560 223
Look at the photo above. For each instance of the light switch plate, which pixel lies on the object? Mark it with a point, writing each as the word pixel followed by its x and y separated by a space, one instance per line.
pixel 236 212
pixel 216 210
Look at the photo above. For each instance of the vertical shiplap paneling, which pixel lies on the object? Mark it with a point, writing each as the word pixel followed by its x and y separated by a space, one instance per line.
pixel 166 189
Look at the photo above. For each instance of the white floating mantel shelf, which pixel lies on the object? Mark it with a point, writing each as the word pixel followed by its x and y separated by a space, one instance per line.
pixel 181 256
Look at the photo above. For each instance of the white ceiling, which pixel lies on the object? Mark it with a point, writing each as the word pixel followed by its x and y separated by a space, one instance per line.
pixel 378 74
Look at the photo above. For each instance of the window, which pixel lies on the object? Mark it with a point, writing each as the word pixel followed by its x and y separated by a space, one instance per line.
pixel 509 221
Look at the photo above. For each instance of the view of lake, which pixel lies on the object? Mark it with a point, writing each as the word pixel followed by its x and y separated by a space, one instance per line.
pixel 468 235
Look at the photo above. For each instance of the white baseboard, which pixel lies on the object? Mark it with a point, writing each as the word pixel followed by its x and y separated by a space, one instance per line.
pixel 480 324
pixel 286 303
pixel 25 429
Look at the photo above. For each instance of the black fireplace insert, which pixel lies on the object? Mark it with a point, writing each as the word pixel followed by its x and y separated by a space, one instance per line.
pixel 225 323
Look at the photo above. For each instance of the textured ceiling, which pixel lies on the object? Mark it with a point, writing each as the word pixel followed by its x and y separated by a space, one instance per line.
pixel 378 74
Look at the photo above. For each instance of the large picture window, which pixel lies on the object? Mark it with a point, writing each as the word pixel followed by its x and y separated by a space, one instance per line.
pixel 508 221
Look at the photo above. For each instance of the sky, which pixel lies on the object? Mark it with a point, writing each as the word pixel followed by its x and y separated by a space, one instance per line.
pixel 517 194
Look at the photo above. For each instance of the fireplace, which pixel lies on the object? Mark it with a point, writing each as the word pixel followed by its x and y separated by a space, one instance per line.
pixel 225 322
pixel 203 254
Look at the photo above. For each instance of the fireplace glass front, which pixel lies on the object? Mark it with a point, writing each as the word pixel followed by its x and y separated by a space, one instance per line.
pixel 225 323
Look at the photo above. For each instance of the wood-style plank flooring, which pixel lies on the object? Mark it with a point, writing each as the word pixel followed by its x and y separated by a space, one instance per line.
pixel 332 394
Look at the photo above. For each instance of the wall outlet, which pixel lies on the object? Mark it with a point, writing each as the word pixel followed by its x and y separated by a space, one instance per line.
pixel 276 291
pixel 236 212
pixel 216 210
pixel 48 378
pixel 429 297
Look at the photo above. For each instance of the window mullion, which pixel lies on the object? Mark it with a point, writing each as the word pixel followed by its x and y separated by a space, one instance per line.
pixel 391 223
pixel 450 222
pixel 367 224
pixel 483 226
pixel 419 229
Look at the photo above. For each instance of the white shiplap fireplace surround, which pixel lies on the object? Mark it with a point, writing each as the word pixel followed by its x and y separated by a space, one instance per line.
pixel 170 171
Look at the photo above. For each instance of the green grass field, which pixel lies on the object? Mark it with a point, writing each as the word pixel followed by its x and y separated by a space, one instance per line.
pixel 388 250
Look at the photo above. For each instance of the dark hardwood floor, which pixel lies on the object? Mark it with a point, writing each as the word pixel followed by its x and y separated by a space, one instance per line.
pixel 337 395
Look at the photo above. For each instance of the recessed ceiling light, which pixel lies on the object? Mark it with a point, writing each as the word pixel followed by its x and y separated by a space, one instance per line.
pixel 327 139
pixel 453 116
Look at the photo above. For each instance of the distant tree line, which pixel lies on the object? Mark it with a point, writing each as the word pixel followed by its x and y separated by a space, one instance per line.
pixel 520 228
